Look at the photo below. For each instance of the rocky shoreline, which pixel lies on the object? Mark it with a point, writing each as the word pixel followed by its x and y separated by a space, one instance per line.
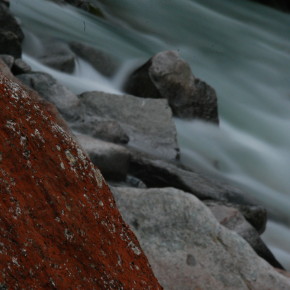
pixel 197 232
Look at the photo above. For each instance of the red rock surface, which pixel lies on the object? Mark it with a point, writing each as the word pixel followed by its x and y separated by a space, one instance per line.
pixel 59 225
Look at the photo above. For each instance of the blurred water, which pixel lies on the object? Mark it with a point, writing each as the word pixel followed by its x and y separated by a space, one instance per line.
pixel 240 48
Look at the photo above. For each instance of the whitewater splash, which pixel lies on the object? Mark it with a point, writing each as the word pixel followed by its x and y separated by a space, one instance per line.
pixel 240 48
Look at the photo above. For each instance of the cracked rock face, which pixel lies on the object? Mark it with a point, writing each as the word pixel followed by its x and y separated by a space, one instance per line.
pixel 59 225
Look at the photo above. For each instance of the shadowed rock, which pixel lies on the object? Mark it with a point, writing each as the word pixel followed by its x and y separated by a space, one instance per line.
pixel 11 35
pixel 283 5
pixel 159 173
pixel 111 159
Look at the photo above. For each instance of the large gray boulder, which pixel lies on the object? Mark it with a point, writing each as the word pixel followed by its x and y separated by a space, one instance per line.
pixel 187 247
pixel 66 102
pixel 147 122
pixel 166 75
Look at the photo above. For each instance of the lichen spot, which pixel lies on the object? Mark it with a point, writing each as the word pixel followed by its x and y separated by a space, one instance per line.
pixel 68 235
pixel 98 176
pixel 62 166
pixel 134 248
pixel 72 160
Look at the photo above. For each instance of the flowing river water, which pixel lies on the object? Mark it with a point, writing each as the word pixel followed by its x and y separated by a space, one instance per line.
pixel 240 48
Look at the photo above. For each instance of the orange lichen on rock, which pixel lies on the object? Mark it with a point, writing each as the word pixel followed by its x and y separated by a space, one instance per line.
pixel 59 225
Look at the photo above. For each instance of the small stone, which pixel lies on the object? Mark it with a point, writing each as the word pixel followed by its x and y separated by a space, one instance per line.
pixel 20 67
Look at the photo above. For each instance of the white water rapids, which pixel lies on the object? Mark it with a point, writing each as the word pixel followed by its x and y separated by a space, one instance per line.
pixel 240 48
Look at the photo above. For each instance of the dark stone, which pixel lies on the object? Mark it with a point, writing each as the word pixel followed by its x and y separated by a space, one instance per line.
pixel 111 159
pixel 10 44
pixel 190 260
pixel 256 215
pixel 158 173
pixel 87 5
pixel 283 5
pixel 140 84
pixel 168 76
pixel 20 67
pixel 11 35
pixel 5 2
pixel 101 61
pixel 9 23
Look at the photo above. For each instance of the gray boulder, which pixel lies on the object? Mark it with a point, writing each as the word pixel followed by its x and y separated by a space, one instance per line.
pixel 100 60
pixel 66 102
pixel 187 247
pixel 168 76
pixel 147 122
pixel 111 159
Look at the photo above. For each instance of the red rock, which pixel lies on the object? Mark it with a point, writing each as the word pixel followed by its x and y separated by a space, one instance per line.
pixel 59 225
